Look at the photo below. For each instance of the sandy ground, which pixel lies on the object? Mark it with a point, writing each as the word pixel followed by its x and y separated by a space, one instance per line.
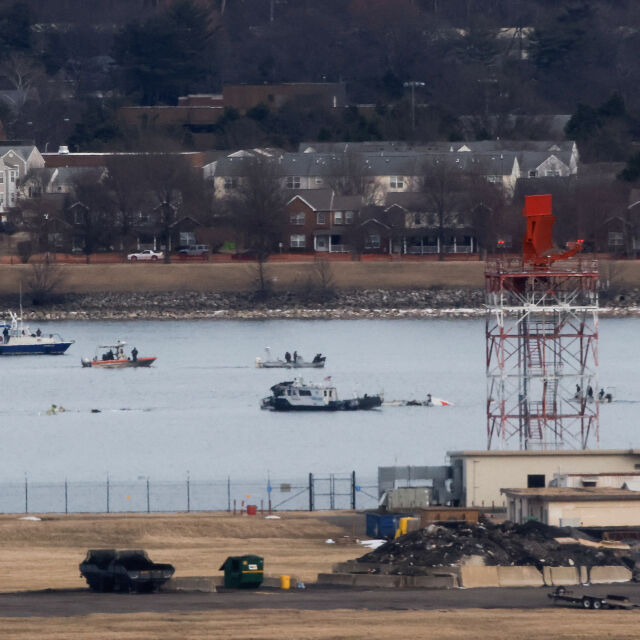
pixel 46 554
pixel 337 624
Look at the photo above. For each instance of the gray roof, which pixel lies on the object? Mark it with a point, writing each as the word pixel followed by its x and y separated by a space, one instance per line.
pixel 327 200
pixel 24 151
pixel 407 163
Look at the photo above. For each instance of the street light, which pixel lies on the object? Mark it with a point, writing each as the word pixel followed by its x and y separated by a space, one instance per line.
pixel 413 84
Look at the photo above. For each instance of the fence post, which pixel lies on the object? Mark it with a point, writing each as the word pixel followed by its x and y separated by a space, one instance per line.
pixel 26 494
pixel 229 493
pixel 108 490
pixel 311 492
pixel 66 496
pixel 353 490
pixel 148 498
pixel 332 491
pixel 188 493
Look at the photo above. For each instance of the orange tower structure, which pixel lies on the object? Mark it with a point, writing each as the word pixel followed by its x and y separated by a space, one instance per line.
pixel 542 342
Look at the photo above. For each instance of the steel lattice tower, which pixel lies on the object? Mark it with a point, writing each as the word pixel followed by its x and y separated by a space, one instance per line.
pixel 542 349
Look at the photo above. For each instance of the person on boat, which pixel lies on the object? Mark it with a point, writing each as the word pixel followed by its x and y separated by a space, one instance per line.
pixel 5 333
pixel 295 357
pixel 38 333
pixel 577 394
pixel 109 355
pixel 601 395
pixel 590 392
pixel 429 402
pixel 134 354
pixel 287 357
pixel 318 358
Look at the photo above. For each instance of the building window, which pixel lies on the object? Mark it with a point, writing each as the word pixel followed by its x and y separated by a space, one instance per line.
pixel 13 198
pixel 338 217
pixel 533 174
pixel 319 181
pixel 493 178
pixel 348 217
pixel 417 219
pixel 297 218
pixel 78 216
pixel 230 183
pixel 55 240
pixel 293 182
pixel 616 239
pixel 1 178
pixel 321 217
pixel 187 238
pixel 372 241
pixel 298 241
pixel 13 176
pixel 396 182
pixel 552 173
pixel 535 481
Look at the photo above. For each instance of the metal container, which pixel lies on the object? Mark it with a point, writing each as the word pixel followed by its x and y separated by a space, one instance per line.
pixel 243 572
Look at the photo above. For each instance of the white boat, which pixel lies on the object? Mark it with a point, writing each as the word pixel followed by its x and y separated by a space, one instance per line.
pixel 19 340
pixel 430 401
pixel 290 362
pixel 115 357
pixel 296 395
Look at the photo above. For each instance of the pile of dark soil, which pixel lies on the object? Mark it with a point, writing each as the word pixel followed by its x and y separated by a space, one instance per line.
pixel 451 544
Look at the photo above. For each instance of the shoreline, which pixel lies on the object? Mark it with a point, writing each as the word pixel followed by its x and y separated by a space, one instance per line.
pixel 288 305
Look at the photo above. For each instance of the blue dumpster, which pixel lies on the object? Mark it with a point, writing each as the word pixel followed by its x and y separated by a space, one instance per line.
pixel 383 525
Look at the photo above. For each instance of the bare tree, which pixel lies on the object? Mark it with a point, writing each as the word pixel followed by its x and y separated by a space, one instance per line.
pixel 258 210
pixel 444 184
pixel 350 176
pixel 23 74
pixel 46 277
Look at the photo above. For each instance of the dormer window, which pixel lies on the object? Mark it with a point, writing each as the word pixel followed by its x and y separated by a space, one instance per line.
pixel 396 182
pixel 533 174
pixel 293 182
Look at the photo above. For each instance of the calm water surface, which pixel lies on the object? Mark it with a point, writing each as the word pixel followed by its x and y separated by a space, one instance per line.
pixel 197 409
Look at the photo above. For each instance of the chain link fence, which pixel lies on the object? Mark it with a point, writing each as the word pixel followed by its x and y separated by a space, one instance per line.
pixel 146 495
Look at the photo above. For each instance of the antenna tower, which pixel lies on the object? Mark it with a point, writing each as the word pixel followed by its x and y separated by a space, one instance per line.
pixel 542 342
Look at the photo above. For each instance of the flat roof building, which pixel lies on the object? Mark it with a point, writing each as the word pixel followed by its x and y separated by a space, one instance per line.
pixel 574 506
pixel 477 477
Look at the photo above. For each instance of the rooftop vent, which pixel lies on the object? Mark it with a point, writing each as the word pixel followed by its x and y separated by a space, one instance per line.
pixel 63 148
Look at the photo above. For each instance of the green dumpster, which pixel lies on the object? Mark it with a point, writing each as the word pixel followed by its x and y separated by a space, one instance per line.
pixel 243 572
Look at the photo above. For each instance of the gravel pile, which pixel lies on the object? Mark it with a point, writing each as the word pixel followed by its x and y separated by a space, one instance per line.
pixel 450 544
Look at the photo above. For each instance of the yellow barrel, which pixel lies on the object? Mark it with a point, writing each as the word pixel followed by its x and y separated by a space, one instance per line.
pixel 285 582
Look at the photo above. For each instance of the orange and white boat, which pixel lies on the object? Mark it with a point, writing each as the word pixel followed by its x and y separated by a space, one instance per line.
pixel 116 357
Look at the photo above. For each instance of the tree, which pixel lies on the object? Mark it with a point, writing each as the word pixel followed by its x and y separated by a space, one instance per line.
pixel 349 176
pixel 175 188
pixel 126 182
pixel 166 55
pixel 93 214
pixel 444 185
pixel 258 210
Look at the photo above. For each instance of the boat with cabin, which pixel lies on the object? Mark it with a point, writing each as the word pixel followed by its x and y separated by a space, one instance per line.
pixel 115 357
pixel 297 395
pixel 290 362
pixel 19 340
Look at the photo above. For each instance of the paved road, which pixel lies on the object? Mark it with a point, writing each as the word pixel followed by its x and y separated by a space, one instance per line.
pixel 83 602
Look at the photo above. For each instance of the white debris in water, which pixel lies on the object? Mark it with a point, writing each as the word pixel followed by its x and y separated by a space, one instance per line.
pixel 32 518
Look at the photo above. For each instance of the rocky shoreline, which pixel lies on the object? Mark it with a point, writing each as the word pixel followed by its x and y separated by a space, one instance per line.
pixel 378 303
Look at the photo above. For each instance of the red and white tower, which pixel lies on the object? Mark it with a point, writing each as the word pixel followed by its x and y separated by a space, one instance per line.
pixel 542 343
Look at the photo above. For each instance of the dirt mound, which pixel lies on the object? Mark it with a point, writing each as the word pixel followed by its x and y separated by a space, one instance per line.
pixel 451 544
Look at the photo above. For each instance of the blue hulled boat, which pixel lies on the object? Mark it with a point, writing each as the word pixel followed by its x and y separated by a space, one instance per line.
pixel 19 340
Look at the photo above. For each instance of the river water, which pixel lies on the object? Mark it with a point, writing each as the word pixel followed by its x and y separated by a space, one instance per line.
pixel 197 409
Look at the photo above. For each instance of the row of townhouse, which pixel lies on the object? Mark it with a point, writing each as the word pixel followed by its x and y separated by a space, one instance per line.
pixel 376 169
pixel 322 221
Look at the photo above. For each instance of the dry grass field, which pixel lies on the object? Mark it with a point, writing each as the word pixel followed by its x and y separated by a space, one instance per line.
pixel 223 277
pixel 331 625
pixel 46 554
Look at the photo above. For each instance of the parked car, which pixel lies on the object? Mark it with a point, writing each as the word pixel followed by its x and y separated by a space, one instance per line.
pixel 195 250
pixel 147 254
